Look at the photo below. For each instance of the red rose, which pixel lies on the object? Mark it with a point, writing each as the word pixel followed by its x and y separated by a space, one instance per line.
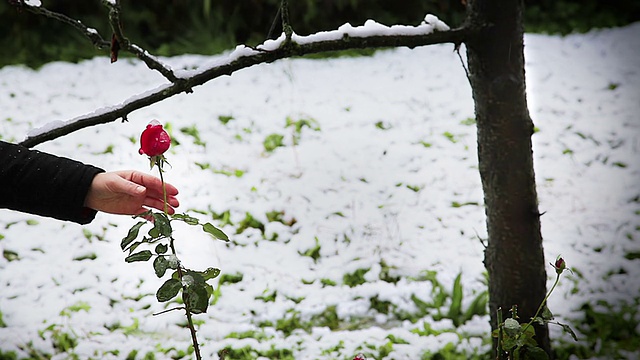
pixel 154 140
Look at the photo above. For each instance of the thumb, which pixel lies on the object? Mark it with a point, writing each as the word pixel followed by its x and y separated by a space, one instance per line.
pixel 127 187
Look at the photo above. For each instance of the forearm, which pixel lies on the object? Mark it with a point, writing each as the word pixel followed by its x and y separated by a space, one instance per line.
pixel 44 184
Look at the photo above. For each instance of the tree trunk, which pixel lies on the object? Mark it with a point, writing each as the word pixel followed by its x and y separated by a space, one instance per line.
pixel 514 257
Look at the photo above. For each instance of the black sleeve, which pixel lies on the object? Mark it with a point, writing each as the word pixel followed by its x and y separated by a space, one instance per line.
pixel 44 184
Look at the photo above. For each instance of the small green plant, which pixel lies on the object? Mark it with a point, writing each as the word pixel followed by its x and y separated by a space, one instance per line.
pixel 452 352
pixel 468 121
pixel 385 273
pixel 313 252
pixel 248 353
pixel 477 307
pixel 9 355
pixel 450 137
pixel 250 334
pixel 10 255
pixel 382 125
pixel 371 351
pixel 249 222
pixel 194 133
pixel 77 307
pixel 327 282
pixel 272 142
pixel 298 125
pixel 356 278
pixel 608 331
pixel 516 341
pixel 230 278
pixel 440 297
pixel 62 341
pixel 224 119
pixel 268 296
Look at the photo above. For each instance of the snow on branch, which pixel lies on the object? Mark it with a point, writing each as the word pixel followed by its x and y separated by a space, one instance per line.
pixel 371 35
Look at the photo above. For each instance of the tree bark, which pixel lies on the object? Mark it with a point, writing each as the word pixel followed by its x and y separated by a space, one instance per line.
pixel 514 257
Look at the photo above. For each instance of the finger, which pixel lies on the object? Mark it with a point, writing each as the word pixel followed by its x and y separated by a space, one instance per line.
pixel 124 186
pixel 152 183
pixel 157 194
pixel 171 190
pixel 172 201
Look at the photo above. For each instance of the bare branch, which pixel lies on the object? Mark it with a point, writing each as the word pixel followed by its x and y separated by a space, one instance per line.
pixel 241 58
pixel 92 34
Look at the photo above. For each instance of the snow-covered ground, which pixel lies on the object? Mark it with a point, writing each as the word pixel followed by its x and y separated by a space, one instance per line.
pixel 385 179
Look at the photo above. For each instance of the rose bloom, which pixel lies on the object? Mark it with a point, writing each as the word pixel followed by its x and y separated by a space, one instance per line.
pixel 154 140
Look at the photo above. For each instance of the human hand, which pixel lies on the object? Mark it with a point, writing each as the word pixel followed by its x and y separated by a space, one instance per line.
pixel 127 192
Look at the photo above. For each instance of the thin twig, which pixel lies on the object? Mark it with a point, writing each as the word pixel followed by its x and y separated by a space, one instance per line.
pixel 273 24
pixel 466 71
pixel 150 61
pixel 482 241
pixel 168 310
pixel 286 25
pixel 90 33
pixel 98 41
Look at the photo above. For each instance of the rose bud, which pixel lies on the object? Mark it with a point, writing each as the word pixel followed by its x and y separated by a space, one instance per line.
pixel 560 265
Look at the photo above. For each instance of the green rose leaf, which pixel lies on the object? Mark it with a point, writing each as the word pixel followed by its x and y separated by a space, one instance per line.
pixel 134 246
pixel 210 273
pixel 509 342
pixel 160 265
pixel 139 256
pixel 535 353
pixel 168 290
pixel 186 218
pixel 191 276
pixel 512 327
pixel 568 329
pixel 215 232
pixel 132 235
pixel 210 289
pixel 547 314
pixel 538 320
pixel 144 215
pixel 161 249
pixel 196 297
pixel 161 226
pixel 154 232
